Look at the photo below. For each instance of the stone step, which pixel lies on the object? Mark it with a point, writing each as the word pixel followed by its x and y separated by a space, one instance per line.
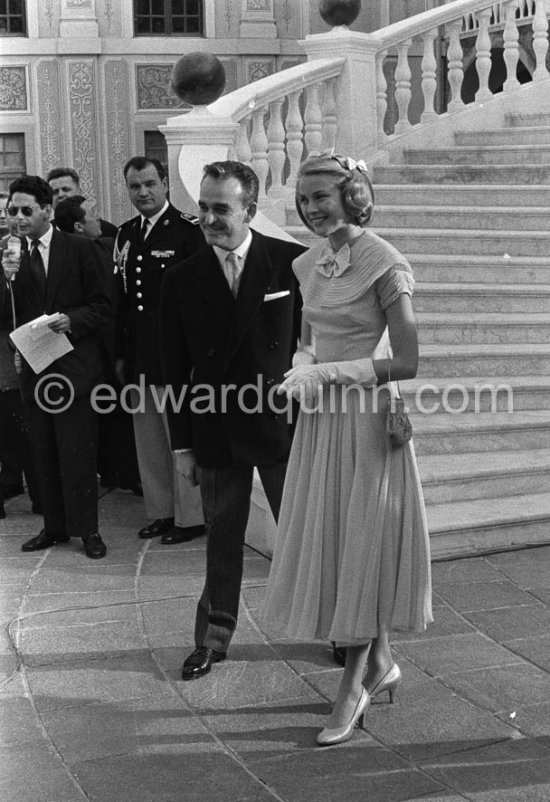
pixel 480 154
pixel 518 135
pixel 508 359
pixel 477 269
pixel 463 477
pixel 467 241
pixel 522 120
pixel 526 218
pixel 465 528
pixel 492 327
pixel 460 195
pixel 482 298
pixel 438 395
pixel 484 431
pixel 530 173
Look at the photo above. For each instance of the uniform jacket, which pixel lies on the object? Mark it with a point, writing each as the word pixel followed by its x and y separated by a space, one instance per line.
pixel 174 237
pixel 74 286
pixel 212 340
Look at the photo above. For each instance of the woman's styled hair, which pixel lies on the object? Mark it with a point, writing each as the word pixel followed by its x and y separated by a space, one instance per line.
pixel 350 176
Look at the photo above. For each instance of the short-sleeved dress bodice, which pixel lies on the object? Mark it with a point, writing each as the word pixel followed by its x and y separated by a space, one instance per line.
pixel 352 548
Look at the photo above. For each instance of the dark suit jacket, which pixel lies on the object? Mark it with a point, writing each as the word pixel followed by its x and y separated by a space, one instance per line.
pixel 211 339
pixel 74 286
pixel 174 237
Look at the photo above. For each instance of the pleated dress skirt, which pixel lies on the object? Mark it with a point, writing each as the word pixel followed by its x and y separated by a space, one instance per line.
pixel 352 550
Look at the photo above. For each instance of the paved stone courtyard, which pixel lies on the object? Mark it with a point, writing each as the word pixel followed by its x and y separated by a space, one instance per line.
pixel 92 707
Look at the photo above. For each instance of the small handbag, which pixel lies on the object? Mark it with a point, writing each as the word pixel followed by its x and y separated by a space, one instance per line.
pixel 398 424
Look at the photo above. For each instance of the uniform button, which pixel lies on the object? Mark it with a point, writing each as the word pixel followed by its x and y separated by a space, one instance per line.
pixel 162 266
pixel 273 345
pixel 139 258
pixel 140 308
pixel 269 382
pixel 139 295
pixel 138 269
pixel 138 282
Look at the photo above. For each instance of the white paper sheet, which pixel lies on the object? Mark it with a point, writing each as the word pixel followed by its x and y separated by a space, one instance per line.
pixel 39 345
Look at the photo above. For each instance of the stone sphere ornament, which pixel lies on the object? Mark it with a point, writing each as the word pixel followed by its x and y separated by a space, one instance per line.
pixel 198 78
pixel 339 12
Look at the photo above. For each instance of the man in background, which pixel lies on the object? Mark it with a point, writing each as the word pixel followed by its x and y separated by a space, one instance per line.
pixel 117 459
pixel 65 182
pixel 146 246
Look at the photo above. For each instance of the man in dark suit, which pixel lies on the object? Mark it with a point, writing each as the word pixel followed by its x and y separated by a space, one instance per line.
pixel 145 248
pixel 59 273
pixel 65 182
pixel 230 320
pixel 117 459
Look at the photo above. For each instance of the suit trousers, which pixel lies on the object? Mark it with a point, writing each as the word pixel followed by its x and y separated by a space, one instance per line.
pixel 226 500
pixel 64 447
pixel 15 449
pixel 166 494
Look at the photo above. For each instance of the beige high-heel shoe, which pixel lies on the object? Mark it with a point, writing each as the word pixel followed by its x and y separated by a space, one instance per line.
pixel 329 737
pixel 390 682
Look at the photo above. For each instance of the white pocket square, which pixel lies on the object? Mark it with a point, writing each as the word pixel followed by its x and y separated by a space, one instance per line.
pixel 272 296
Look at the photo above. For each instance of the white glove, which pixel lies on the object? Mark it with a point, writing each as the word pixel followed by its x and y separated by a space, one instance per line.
pixel 303 382
pixel 304 357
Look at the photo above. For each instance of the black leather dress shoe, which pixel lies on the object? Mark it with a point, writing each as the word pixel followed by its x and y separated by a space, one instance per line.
pixel 200 662
pixel 94 547
pixel 182 534
pixel 159 527
pixel 43 541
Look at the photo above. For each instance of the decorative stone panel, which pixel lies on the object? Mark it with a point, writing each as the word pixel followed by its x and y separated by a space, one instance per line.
pixel 82 100
pixel 13 89
pixel 118 123
pixel 231 73
pixel 48 22
pixel 49 114
pixel 256 69
pixel 153 87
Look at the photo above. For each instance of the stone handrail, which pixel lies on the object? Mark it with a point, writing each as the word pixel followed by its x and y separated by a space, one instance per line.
pixel 355 91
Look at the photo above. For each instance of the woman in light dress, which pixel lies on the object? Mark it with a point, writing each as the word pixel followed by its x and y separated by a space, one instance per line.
pixel 351 559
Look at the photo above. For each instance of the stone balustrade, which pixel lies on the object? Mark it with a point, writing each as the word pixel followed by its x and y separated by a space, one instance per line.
pixel 341 97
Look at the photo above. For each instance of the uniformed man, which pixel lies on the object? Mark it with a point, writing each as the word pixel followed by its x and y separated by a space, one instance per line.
pixel 145 247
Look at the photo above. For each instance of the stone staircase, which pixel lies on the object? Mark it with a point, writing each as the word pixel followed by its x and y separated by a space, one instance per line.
pixel 474 220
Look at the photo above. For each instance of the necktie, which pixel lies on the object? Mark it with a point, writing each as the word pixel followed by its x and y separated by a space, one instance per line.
pixel 37 267
pixel 143 230
pixel 233 262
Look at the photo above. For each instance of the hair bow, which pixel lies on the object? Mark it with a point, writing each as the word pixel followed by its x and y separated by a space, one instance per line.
pixel 333 264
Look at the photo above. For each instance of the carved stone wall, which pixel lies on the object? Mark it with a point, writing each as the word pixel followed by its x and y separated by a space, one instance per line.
pixel 13 89
pixel 153 87
pixel 118 126
pixel 51 147
pixel 83 122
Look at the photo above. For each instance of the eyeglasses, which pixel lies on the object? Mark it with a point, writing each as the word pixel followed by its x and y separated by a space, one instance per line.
pixel 26 211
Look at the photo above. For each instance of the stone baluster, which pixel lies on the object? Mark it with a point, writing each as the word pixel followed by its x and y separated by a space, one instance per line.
pixel 429 77
pixel 511 49
pixel 313 121
pixel 381 95
pixel 259 145
pixel 330 115
pixel 276 147
pixel 242 142
pixel 456 68
pixel 540 40
pixel 294 136
pixel 403 86
pixel 483 55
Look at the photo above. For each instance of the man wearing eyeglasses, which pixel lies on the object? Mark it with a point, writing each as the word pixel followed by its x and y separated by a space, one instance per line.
pixel 58 272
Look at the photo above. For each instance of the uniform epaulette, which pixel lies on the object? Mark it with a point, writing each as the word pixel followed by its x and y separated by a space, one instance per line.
pixel 191 218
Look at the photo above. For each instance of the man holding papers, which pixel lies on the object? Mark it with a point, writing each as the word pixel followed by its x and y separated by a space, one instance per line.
pixel 58 276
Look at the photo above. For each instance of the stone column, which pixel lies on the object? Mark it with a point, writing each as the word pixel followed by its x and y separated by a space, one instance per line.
pixel 257 20
pixel 356 92
pixel 78 20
